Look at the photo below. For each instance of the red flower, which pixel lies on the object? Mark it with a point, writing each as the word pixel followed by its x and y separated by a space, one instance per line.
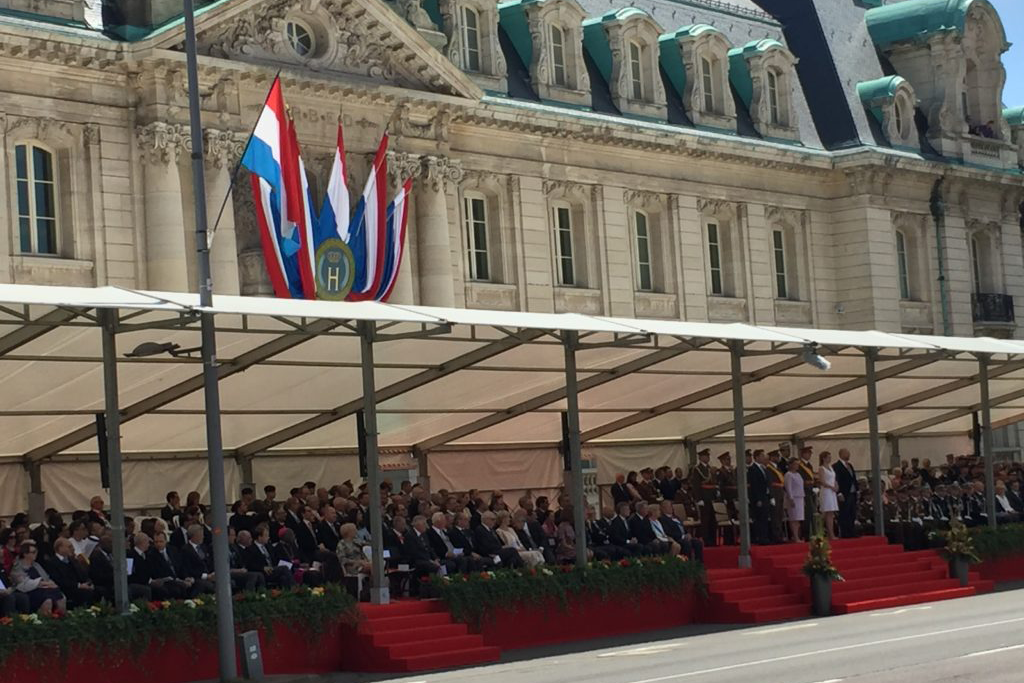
pixel 566 568
pixel 624 563
pixel 153 606
pixel 6 621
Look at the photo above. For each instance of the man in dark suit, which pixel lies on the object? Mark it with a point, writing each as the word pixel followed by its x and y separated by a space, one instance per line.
pixel 241 578
pixel 196 562
pixel 619 533
pixel 305 536
pixel 620 494
pixel 259 558
pixel 70 574
pixel 668 484
pixel 846 481
pixel 101 572
pixel 327 527
pixel 462 537
pixel 141 572
pixel 760 498
pixel 172 509
pixel 165 567
pixel 1014 496
pixel 692 547
pixel 489 545
pixel 420 555
pixel 453 559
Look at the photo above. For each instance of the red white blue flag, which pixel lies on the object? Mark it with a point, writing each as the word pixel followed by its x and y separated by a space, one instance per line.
pixel 369 229
pixel 397 214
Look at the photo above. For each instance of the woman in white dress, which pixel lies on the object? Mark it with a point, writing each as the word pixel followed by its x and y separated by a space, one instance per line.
pixel 827 500
pixel 510 539
pixel 794 487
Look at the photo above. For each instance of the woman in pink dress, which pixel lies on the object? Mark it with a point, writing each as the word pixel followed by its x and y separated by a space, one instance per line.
pixel 794 487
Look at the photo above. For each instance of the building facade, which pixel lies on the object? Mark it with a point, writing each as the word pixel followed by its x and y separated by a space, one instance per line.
pixel 835 163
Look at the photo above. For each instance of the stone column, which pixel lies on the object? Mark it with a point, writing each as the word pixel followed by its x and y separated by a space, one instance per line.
pixel 433 237
pixel 166 251
pixel 400 167
pixel 223 151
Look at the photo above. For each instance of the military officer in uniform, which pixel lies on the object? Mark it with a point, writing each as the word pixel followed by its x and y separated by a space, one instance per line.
pixel 806 472
pixel 776 479
pixel 705 488
pixel 729 492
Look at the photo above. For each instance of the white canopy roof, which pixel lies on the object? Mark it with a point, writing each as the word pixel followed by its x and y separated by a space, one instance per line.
pixel 455 378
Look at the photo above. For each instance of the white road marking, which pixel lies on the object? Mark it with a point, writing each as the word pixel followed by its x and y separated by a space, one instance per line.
pixel 990 652
pixel 902 610
pixel 640 651
pixel 841 648
pixel 780 629
pixel 832 680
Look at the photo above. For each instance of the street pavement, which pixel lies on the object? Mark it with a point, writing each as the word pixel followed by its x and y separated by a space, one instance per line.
pixel 971 639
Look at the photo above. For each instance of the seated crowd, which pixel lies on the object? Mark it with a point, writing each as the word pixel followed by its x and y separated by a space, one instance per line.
pixel 316 535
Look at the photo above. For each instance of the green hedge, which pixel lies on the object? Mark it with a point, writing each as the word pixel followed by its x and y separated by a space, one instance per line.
pixel 473 598
pixel 100 628
pixel 1005 539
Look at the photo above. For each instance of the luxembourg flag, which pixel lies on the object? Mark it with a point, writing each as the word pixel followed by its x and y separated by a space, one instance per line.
pixel 369 229
pixel 263 157
pixel 335 212
pixel 395 243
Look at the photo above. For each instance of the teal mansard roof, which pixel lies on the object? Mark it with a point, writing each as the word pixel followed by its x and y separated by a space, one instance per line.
pixel 739 69
pixel 1015 116
pixel 879 89
pixel 595 40
pixel 915 19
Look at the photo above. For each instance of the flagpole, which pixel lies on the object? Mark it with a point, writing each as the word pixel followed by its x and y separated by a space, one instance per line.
pixel 211 389
pixel 238 164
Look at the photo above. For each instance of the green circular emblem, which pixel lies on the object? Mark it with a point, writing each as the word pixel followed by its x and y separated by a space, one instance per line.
pixel 335 270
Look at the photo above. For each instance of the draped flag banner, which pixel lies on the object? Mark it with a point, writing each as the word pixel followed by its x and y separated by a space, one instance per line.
pixel 330 255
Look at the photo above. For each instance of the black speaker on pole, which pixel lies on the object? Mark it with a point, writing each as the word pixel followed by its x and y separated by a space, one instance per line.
pixel 564 445
pixel 364 472
pixel 976 433
pixel 101 447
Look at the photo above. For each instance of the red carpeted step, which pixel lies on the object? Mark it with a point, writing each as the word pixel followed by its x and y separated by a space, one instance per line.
pixel 741 582
pixel 447 660
pixel 902 600
pixel 433 645
pixel 385 638
pixel 768 601
pixel 886 591
pixel 901 579
pixel 735 573
pixel 401 608
pixel 424 621
pixel 738 594
pixel 888 569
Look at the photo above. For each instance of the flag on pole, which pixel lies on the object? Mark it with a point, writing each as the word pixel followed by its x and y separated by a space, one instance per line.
pixel 335 211
pixel 263 157
pixel 368 231
pixel 299 218
pixel 397 214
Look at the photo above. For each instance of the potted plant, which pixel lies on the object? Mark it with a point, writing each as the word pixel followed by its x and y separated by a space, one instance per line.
pixel 819 568
pixel 959 551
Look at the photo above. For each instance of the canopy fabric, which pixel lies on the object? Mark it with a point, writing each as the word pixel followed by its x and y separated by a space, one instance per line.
pixel 455 379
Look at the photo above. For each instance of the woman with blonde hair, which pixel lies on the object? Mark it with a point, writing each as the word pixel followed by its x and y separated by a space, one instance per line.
pixel 510 539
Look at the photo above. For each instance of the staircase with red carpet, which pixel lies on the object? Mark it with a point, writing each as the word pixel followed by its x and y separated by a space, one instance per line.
pixel 414 635
pixel 745 596
pixel 877 575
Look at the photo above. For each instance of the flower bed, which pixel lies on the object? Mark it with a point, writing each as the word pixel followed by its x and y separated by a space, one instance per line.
pixel 1003 541
pixel 298 634
pixel 527 607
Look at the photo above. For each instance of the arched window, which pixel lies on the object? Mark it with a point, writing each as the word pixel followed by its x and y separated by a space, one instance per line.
pixel 558 57
pixel 562 221
pixel 644 269
pixel 636 70
pixel 773 98
pixel 903 265
pixel 707 75
pixel 35 177
pixel 470 39
pixel 475 217
pixel 715 258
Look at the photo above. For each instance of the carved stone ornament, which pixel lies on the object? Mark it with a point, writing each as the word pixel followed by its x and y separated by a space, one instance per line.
pixel 642 198
pixel 869 180
pixel 565 188
pixel 402 165
pixel 436 172
pixel 40 128
pixel 163 143
pixel 718 208
pixel 414 13
pixel 90 134
pixel 780 215
pixel 913 221
pixel 437 128
pixel 223 148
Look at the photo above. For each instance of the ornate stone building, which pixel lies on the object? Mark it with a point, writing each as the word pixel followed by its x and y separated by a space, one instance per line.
pixel 836 163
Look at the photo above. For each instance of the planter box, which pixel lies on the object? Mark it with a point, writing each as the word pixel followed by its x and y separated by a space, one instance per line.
pixel 1008 568
pixel 531 625
pixel 284 652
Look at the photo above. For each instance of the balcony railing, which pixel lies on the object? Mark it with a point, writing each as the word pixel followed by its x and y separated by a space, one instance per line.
pixel 992 308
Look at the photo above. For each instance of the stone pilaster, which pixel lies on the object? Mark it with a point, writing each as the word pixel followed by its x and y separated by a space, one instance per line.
pixel 223 150
pixel 433 238
pixel 161 145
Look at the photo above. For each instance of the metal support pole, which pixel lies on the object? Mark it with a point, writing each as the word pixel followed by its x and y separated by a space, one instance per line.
pixel 422 471
pixel 739 429
pixel 570 340
pixel 986 441
pixel 876 447
pixel 108 320
pixel 379 593
pixel 36 495
pixel 245 469
pixel 211 390
pixel 691 453
pixel 894 451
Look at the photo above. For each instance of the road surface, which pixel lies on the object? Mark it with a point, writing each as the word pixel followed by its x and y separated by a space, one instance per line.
pixel 966 640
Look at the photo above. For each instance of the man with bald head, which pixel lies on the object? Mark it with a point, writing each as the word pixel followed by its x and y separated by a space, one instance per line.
pixel 846 481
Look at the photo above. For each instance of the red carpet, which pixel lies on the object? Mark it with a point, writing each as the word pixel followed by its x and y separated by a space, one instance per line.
pixel 414 635
pixel 878 575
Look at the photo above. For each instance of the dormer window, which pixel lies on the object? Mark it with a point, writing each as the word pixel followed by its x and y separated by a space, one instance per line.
pixel 619 43
pixel 696 61
pixel 773 98
pixel 636 78
pixel 558 57
pixel 471 27
pixel 761 73
pixel 891 101
pixel 548 37
pixel 470 39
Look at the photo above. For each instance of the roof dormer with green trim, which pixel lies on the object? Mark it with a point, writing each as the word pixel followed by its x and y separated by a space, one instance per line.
pixel 624 46
pixel 695 59
pixel 548 37
pixel 891 102
pixel 762 74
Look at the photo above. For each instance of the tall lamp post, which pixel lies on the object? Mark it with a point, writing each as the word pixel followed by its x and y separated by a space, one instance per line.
pixel 211 390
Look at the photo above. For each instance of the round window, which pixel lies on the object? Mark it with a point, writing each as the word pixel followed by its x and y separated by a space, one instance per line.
pixel 300 38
